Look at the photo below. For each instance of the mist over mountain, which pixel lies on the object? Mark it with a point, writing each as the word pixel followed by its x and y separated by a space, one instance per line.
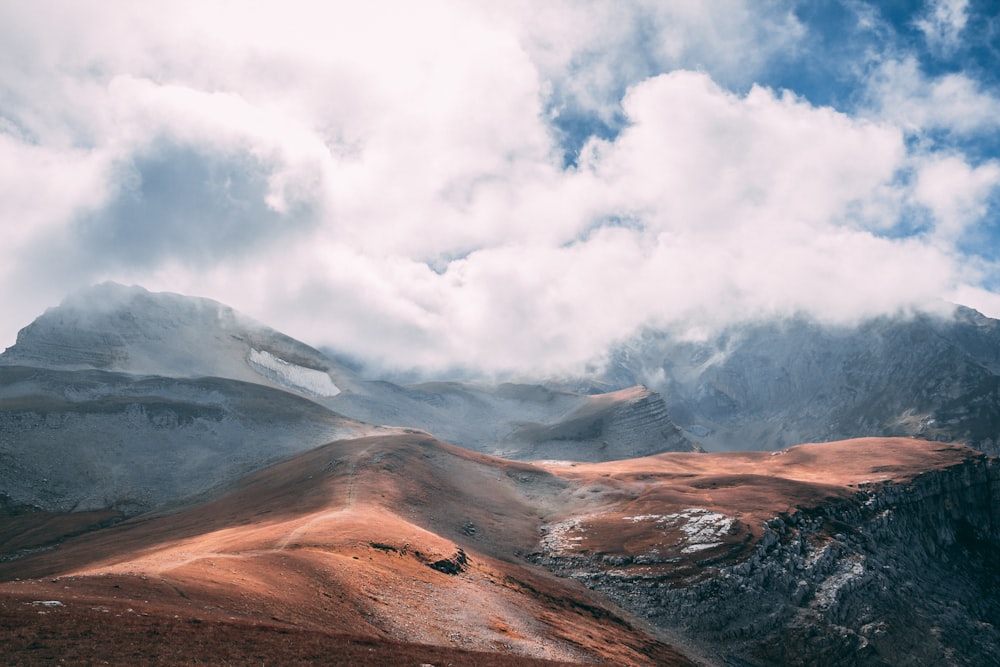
pixel 133 400
pixel 767 385
pixel 166 453
pixel 117 328
pixel 539 333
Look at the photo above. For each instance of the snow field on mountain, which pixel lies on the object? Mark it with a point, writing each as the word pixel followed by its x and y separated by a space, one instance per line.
pixel 297 378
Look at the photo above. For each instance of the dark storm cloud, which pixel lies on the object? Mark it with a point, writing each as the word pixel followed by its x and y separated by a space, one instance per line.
pixel 182 203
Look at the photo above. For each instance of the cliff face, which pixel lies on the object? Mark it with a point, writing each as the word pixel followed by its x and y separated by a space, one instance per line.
pixel 894 574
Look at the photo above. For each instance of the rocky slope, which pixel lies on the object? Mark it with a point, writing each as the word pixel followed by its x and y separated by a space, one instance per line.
pixel 88 440
pixel 616 425
pixel 523 421
pixel 769 385
pixel 864 552
pixel 767 564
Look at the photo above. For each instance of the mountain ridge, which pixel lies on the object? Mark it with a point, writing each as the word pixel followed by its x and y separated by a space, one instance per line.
pixel 773 384
pixel 275 491
pixel 111 327
pixel 129 329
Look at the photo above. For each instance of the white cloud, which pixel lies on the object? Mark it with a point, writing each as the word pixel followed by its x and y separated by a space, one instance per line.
pixel 592 51
pixel 703 158
pixel 417 139
pixel 40 187
pixel 955 192
pixel 709 207
pixel 983 300
pixel 900 93
pixel 943 22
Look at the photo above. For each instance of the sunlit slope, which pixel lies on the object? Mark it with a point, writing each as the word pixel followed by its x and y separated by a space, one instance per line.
pixel 404 537
pixel 400 537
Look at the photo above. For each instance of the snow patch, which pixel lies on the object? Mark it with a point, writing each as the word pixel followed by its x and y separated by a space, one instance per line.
pixel 292 376
pixel 555 536
pixel 813 556
pixel 705 526
pixel 702 528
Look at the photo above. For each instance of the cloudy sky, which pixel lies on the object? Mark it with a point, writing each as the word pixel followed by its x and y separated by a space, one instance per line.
pixel 502 184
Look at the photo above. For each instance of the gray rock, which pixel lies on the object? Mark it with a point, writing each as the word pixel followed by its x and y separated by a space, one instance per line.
pixel 84 440
pixel 900 574
pixel 774 384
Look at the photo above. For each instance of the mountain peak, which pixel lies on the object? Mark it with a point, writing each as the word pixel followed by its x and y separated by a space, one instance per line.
pixel 129 329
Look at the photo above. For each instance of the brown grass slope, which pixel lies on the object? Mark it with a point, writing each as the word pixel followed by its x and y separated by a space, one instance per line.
pixel 406 546
pixel 691 511
pixel 399 540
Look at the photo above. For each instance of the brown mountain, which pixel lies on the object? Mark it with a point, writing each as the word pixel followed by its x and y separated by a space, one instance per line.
pixel 392 539
pixel 860 552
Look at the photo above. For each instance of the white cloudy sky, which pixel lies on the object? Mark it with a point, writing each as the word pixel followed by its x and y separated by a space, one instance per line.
pixel 501 184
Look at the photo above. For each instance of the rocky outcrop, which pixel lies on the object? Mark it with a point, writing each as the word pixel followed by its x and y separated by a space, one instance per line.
pixel 625 424
pixel 897 574
pixel 455 564
pixel 642 426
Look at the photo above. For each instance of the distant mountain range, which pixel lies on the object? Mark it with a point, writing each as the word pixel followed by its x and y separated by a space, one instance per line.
pixel 135 400
pixel 773 384
pixel 194 484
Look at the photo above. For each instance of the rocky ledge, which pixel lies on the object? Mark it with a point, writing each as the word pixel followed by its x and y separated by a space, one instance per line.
pixel 893 573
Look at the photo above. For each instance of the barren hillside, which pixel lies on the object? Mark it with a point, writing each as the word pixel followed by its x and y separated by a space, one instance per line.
pixel 404 538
